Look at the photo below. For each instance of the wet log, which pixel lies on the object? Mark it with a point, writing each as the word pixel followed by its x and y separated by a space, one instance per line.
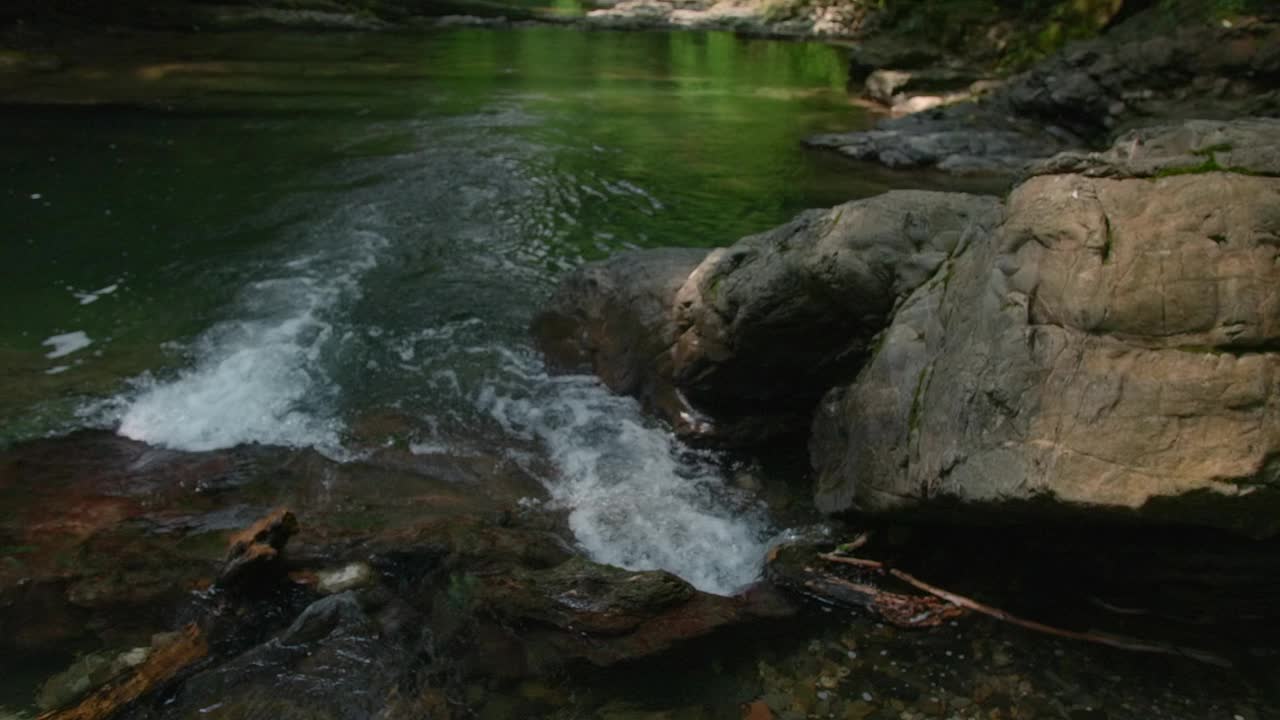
pixel 164 664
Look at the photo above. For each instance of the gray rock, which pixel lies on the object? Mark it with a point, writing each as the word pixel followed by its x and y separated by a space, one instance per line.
pixel 961 139
pixel 736 346
pixel 336 613
pixel 1082 96
pixel 893 87
pixel 87 673
pixel 776 318
pixel 1251 145
pixel 1112 347
pixel 615 318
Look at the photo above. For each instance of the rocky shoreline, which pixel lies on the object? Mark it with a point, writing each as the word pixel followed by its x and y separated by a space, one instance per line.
pixel 1079 99
pixel 406 586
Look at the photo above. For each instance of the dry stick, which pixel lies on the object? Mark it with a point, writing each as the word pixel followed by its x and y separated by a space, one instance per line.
pixel 855 543
pixel 855 561
pixel 1115 641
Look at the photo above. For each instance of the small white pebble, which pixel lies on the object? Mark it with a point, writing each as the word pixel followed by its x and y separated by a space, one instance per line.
pixel 866 696
pixel 852 654
pixel 36 196
pixel 1237 717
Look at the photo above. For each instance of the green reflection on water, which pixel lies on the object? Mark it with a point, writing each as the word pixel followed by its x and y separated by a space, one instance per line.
pixel 181 167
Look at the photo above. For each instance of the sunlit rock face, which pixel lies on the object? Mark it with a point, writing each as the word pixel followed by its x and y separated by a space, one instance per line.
pixel 1112 346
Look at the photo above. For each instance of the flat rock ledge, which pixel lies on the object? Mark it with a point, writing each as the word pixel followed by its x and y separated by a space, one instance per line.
pixel 1104 343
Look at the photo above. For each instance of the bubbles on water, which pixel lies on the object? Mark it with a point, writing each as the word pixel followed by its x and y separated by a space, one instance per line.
pixel 637 498
pixel 261 376
pixel 66 343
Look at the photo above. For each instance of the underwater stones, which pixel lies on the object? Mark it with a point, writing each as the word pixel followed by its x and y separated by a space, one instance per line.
pixel 85 674
pixel 581 610
pixel 1249 146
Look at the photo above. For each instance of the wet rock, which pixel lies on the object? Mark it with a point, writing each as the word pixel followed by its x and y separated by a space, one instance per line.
pixel 893 87
pixel 255 552
pixel 615 318
pixel 1081 96
pixel 822 19
pixel 86 674
pixel 349 577
pixel 582 610
pixel 961 139
pixel 1111 347
pixel 323 617
pixel 332 662
pixel 736 347
pixel 769 323
pixel 1248 145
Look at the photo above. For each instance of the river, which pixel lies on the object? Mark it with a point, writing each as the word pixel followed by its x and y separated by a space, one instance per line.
pixel 337 242
pixel 265 239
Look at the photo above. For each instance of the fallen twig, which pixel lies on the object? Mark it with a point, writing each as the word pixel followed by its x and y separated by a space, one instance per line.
pixel 854 544
pixel 855 561
pixel 1116 641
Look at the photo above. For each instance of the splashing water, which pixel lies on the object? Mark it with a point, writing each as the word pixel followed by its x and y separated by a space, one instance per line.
pixel 262 377
pixel 637 498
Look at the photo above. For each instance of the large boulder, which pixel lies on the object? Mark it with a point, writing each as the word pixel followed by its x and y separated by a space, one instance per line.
pixel 614 318
pixel 771 322
pixel 737 345
pixel 1111 347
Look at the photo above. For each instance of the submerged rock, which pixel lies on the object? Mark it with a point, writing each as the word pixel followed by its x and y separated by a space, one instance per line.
pixel 87 673
pixel 1111 347
pixel 580 610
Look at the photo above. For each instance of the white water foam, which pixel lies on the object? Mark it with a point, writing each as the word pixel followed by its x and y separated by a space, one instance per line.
pixel 637 498
pixel 66 343
pixel 261 377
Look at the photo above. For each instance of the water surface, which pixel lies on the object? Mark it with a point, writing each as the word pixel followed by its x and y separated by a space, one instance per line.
pixel 286 239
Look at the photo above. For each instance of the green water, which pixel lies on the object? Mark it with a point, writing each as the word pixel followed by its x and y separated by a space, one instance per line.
pixel 338 241
pixel 177 168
